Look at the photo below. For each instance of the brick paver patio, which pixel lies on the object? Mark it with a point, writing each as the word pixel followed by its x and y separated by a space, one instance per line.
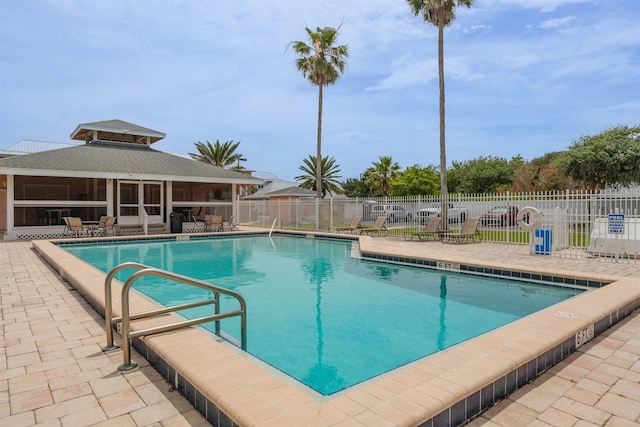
pixel 54 373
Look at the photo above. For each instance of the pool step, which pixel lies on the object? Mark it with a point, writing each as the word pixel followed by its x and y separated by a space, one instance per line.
pixel 355 250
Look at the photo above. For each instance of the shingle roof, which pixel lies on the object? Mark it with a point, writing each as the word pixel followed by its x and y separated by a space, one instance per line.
pixel 280 188
pixel 118 127
pixel 118 160
pixel 294 191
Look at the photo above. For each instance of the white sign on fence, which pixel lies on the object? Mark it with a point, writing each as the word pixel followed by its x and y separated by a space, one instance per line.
pixel 616 223
pixel 603 243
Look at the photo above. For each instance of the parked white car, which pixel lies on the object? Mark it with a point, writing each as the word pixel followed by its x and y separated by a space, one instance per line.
pixel 394 213
pixel 455 214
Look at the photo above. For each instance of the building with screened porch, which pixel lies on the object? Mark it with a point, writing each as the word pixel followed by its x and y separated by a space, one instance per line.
pixel 113 171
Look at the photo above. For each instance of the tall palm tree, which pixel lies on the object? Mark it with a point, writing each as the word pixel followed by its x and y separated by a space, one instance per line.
pixel 222 155
pixel 440 13
pixel 328 172
pixel 322 63
pixel 381 174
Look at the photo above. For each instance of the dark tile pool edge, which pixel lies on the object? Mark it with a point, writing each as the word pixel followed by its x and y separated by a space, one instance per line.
pixel 193 395
pixel 212 235
pixel 479 401
pixel 523 276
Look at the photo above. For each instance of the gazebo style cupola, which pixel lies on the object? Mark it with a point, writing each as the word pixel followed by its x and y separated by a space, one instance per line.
pixel 117 131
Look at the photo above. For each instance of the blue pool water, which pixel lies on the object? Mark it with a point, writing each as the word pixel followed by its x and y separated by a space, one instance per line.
pixel 321 316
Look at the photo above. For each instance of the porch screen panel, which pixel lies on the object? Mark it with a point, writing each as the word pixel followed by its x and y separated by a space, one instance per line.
pixel 152 199
pixel 128 199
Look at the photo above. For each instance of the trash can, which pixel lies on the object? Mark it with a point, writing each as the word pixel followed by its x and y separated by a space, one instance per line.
pixel 542 239
pixel 176 222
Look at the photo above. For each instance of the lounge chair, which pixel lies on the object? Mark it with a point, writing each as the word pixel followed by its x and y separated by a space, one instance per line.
pixel 352 228
pixel 468 233
pixel 429 231
pixel 378 227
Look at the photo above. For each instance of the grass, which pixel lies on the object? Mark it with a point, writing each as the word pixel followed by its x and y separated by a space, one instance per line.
pixel 577 237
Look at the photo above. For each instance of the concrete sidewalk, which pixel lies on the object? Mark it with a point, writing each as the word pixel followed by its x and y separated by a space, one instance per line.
pixel 54 373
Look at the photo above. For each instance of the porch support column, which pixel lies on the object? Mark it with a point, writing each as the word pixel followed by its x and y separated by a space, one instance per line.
pixel 168 185
pixel 10 207
pixel 110 201
pixel 234 200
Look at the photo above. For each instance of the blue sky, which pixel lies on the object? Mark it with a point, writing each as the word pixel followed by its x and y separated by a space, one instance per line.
pixel 523 77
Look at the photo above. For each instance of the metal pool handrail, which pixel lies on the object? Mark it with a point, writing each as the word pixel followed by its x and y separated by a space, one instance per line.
pixel 126 317
pixel 273 225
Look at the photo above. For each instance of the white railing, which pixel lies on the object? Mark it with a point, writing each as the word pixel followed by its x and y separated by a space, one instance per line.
pixel 579 222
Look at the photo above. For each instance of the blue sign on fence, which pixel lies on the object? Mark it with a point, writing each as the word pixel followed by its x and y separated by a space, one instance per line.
pixel 616 223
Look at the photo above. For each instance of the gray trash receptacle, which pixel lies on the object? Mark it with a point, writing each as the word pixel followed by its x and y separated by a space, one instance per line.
pixel 176 222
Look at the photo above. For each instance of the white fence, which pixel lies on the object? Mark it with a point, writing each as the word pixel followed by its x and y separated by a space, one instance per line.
pixel 572 224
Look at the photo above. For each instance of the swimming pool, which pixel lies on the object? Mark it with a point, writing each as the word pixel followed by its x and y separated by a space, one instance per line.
pixel 316 313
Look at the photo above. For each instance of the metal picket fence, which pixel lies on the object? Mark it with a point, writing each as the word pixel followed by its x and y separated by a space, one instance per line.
pixel 570 224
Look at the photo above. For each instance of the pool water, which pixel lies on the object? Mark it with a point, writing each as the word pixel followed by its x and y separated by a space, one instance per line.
pixel 321 316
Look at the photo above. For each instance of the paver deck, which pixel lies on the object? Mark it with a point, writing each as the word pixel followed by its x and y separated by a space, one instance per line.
pixel 53 372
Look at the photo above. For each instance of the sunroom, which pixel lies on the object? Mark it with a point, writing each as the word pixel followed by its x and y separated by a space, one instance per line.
pixel 114 173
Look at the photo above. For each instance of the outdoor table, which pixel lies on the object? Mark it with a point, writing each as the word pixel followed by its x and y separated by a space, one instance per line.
pixel 92 227
pixel 58 213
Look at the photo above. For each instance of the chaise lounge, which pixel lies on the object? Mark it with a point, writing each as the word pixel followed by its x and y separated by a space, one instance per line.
pixel 430 230
pixel 379 228
pixel 468 233
pixel 351 228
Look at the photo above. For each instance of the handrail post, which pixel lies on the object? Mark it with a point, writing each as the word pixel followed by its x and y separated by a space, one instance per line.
pixel 126 325
pixel 216 305
pixel 108 304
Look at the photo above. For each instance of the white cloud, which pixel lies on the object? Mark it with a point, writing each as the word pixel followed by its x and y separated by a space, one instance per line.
pixel 557 23
pixel 540 5
pixel 406 72
pixel 201 70
pixel 478 29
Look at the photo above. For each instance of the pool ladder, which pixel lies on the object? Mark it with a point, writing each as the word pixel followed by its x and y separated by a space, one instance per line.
pixel 127 317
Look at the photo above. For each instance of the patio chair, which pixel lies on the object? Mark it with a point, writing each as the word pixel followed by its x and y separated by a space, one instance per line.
pixel 38 216
pixel 106 224
pixel 213 223
pixel 229 225
pixel 468 233
pixel 429 231
pixel 352 228
pixel 199 225
pixel 73 225
pixel 379 228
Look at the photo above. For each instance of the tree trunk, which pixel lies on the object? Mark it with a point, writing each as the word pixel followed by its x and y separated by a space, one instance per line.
pixel 444 191
pixel 319 148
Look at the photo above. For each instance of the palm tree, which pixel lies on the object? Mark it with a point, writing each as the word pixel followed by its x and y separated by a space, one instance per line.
pixel 222 155
pixel 440 13
pixel 322 63
pixel 328 172
pixel 381 174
